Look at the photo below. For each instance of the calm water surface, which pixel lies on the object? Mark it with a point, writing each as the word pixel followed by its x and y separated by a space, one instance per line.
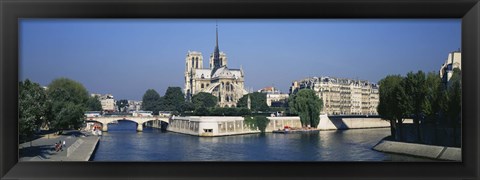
pixel 123 143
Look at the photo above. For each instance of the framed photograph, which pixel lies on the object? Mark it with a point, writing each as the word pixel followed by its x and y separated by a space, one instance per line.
pixel 225 89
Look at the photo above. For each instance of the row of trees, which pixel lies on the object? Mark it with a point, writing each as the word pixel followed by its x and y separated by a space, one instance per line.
pixel 423 97
pixel 60 106
pixel 173 100
pixel 305 103
pixel 202 103
pixel 258 101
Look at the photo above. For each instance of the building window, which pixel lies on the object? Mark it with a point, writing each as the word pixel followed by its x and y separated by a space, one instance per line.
pixel 202 86
pixel 208 130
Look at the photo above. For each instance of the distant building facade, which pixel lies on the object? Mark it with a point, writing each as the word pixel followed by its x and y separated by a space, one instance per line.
pixel 224 83
pixel 274 97
pixel 107 101
pixel 454 60
pixel 134 105
pixel 342 96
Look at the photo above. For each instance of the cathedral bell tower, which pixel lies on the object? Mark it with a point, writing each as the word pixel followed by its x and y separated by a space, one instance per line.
pixel 193 61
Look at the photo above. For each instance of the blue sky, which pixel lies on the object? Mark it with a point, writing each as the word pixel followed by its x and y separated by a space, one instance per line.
pixel 125 57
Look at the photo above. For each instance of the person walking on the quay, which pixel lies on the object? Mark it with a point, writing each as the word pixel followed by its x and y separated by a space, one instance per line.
pixel 60 147
pixel 57 147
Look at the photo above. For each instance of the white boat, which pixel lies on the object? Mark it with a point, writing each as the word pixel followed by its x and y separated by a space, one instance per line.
pixel 97 132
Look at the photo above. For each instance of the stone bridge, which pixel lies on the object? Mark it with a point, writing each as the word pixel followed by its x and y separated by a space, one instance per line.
pixel 140 120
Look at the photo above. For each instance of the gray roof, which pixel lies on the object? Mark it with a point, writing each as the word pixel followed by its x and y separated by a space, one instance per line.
pixel 202 72
pixel 224 72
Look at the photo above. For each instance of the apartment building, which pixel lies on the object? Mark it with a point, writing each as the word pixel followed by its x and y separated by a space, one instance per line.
pixel 342 96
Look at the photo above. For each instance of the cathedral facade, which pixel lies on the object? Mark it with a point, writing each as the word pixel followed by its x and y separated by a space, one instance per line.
pixel 219 80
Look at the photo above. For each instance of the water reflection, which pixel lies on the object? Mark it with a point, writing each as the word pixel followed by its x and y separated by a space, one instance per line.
pixel 123 143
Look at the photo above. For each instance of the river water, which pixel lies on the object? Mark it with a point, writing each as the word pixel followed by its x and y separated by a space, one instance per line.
pixel 123 143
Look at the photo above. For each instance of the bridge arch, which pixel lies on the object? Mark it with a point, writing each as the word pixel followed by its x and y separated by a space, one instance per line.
pixel 95 121
pixel 139 120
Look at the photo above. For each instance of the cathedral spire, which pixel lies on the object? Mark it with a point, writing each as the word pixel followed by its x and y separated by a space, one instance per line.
pixel 216 41
pixel 216 53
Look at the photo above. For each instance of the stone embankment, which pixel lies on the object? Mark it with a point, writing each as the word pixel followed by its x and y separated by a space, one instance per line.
pixel 420 150
pixel 77 148
pixel 346 122
pixel 234 125
pixel 82 149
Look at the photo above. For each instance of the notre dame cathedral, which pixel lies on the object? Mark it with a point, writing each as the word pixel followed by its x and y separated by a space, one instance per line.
pixel 219 80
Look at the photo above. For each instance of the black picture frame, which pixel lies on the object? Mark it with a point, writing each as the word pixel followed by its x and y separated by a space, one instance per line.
pixel 11 11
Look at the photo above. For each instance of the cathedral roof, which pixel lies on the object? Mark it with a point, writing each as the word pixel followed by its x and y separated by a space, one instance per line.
pixel 224 72
pixel 237 73
pixel 203 73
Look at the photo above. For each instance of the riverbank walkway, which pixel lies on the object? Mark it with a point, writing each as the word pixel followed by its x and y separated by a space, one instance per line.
pixel 79 146
pixel 420 150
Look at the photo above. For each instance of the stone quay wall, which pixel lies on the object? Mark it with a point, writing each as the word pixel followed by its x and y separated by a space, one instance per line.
pixel 333 122
pixel 346 122
pixel 280 122
pixel 227 125
pixel 210 125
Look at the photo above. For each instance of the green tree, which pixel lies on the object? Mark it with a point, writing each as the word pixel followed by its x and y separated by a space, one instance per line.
pixel 202 111
pixel 415 86
pixel 307 105
pixel 390 96
pixel 453 102
pixel 173 99
pixel 187 106
pixel 433 86
pixel 217 111
pixel 432 101
pixel 68 103
pixel 258 101
pixel 93 104
pixel 203 99
pixel 254 122
pixel 122 105
pixel 32 108
pixel 151 101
